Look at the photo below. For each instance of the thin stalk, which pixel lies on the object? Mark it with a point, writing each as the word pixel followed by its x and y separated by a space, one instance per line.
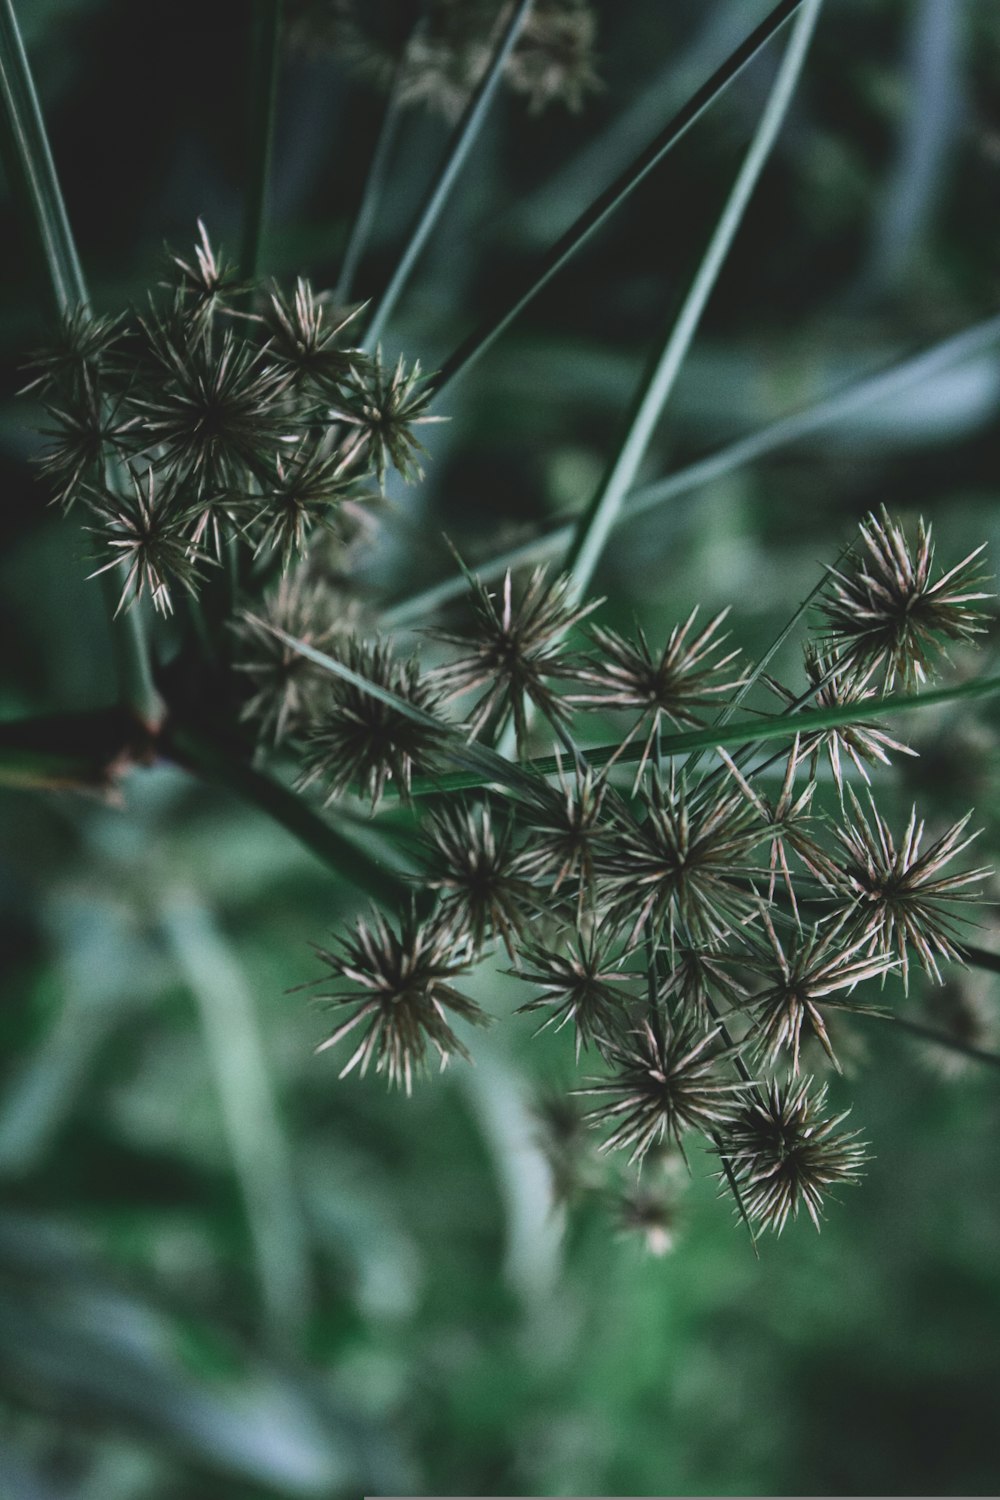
pixel 344 855
pixel 780 726
pixel 371 195
pixel 28 160
pixel 263 105
pixel 607 202
pixel 931 1034
pixel 857 397
pixel 262 1155
pixel 465 134
pixel 594 526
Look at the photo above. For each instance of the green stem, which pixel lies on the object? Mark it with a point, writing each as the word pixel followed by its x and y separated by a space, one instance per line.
pixel 28 159
pixel 343 855
pixel 263 105
pixel 607 202
pixel 931 1034
pixel 465 134
pixel 375 181
pixel 594 527
pixel 779 726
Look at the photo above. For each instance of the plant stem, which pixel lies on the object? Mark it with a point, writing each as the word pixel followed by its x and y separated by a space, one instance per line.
pixel 857 397
pixel 343 855
pixel 778 726
pixel 931 1034
pixel 465 134
pixel 375 181
pixel 594 526
pixel 28 160
pixel 607 202
pixel 263 107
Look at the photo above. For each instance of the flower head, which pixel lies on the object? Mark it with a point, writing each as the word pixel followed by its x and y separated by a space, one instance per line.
pixel 513 650
pixel 884 611
pixel 581 985
pixel 385 408
pixel 900 895
pixel 306 335
pixel 661 1087
pixel 785 1156
pixel 472 861
pixel 399 988
pixel 147 534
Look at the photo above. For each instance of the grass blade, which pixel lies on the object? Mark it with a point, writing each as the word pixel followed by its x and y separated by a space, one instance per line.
pixel 462 142
pixel 594 526
pixel 607 202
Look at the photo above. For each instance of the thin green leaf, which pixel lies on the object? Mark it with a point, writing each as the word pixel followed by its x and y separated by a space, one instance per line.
pixel 607 202
pixel 263 106
pixel 595 525
pixel 464 137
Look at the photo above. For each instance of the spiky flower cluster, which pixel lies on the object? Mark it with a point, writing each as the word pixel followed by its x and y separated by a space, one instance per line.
pixel 218 417
pixel 700 923
pixel 435 54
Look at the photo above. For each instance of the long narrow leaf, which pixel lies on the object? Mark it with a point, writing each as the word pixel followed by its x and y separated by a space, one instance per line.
pixel 607 202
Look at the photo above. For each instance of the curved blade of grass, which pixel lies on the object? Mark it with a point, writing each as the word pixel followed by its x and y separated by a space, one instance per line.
pixel 462 141
pixel 855 397
pixel 29 165
pixel 607 202
pixel 594 526
pixel 263 106
pixel 261 1153
pixel 780 726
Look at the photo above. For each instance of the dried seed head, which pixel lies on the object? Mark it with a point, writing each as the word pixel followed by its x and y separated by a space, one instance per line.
pixel 901 897
pixel 513 651
pixel 662 1087
pixel 472 861
pixel 400 989
pixel 554 56
pixel 75 355
pixel 362 741
pixel 204 285
pixel 147 534
pixel 307 335
pixel 884 612
pixel 384 409
pixel 583 985
pixel 288 689
pixel 784 1155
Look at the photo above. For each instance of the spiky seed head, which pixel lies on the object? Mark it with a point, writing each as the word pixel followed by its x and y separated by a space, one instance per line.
pixel 686 868
pixel 88 429
pixel 472 861
pixel 308 335
pixel 399 989
pixel 675 685
pixel 662 1086
pixel 307 489
pixel 901 896
pixel 583 985
pixel 554 57
pixel 513 650
pixel 74 356
pixel 384 407
pixel 362 741
pixel 799 984
pixel 205 284
pixel 146 531
pixel 784 1155
pixel 211 403
pixel 885 611
pixel 287 688
pixel 568 830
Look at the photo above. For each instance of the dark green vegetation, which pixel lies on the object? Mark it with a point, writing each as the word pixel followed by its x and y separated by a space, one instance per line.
pixel 222 1271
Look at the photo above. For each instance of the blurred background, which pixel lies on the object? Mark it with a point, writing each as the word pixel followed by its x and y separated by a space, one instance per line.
pixel 223 1273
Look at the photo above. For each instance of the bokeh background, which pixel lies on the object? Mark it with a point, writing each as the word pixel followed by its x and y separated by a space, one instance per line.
pixel 223 1273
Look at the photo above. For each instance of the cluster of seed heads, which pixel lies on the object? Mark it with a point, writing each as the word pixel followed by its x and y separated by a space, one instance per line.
pixel 435 54
pixel 220 417
pixel 700 925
